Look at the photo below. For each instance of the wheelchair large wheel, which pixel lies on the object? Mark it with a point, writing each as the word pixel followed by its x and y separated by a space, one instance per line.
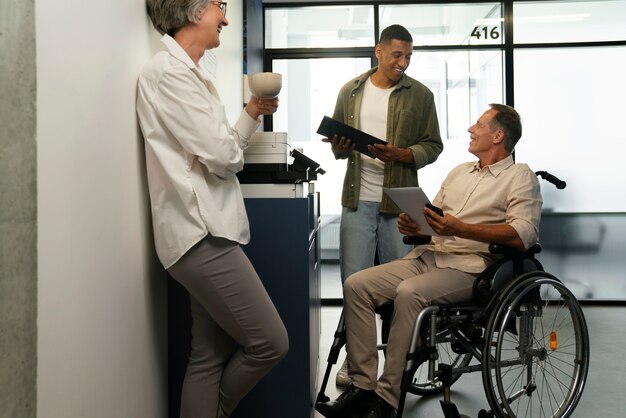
pixel 422 385
pixel 537 349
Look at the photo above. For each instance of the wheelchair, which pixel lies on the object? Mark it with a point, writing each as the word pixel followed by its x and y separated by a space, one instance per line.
pixel 524 331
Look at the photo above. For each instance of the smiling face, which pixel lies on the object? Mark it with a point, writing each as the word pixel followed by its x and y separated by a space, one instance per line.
pixel 483 138
pixel 211 21
pixel 394 56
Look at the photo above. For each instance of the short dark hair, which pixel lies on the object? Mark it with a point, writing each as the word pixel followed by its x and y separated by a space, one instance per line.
pixel 398 32
pixel 507 119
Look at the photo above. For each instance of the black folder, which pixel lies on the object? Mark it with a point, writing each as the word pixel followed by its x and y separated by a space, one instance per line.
pixel 329 127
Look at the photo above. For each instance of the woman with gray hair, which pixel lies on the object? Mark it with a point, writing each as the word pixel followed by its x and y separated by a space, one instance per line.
pixel 198 214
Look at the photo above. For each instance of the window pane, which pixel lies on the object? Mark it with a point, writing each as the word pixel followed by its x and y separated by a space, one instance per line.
pixel 450 24
pixel 463 83
pixel 320 26
pixel 310 88
pixel 586 251
pixel 571 103
pixel 569 21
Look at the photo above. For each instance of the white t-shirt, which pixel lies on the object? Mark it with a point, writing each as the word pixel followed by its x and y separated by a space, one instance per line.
pixel 373 117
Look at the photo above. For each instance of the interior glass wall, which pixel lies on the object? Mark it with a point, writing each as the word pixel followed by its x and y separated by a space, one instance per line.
pixel 449 24
pixel 563 65
pixel 463 82
pixel 569 21
pixel 319 26
pixel 571 100
pixel 310 87
pixel 569 88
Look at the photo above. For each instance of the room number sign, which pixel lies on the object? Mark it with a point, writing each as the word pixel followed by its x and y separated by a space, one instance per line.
pixel 485 32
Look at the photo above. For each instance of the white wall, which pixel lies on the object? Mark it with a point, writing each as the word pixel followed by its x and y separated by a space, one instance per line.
pixel 102 304
pixel 101 323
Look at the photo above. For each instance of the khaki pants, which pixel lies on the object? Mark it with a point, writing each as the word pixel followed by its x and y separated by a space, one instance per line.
pixel 237 335
pixel 412 284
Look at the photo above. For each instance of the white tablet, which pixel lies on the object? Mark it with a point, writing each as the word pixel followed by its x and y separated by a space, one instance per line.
pixel 411 200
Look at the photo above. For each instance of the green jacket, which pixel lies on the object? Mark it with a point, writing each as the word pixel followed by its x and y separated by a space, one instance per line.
pixel 411 123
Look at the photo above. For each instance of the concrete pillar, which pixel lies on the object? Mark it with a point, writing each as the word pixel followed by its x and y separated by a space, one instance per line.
pixel 18 210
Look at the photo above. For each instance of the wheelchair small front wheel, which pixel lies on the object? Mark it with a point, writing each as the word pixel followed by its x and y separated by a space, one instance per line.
pixel 422 385
pixel 536 355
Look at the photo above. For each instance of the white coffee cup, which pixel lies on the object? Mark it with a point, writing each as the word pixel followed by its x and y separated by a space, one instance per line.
pixel 265 85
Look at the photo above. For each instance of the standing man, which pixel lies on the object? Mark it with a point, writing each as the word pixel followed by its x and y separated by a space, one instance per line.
pixel 388 104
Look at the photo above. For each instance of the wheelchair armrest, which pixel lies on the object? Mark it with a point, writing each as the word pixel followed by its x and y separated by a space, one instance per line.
pixel 511 252
pixel 416 240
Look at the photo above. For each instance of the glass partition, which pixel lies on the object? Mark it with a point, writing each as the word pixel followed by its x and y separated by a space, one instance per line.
pixel 447 24
pixel 319 26
pixel 571 103
pixel 310 88
pixel 569 97
pixel 569 21
pixel 586 252
pixel 463 82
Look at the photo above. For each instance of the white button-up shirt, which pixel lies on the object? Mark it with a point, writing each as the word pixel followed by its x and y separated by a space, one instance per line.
pixel 192 155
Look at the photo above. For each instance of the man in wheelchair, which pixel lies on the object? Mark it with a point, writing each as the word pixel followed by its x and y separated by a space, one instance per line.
pixel 492 200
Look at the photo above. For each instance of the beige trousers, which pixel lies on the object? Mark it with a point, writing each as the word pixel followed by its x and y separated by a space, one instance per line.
pixel 237 334
pixel 412 284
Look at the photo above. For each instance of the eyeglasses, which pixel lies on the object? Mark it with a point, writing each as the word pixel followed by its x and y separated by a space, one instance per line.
pixel 221 5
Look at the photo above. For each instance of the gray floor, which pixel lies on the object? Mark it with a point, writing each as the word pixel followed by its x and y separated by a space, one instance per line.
pixel 604 395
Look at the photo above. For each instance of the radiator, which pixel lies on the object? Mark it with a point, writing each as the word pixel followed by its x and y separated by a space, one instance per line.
pixel 330 237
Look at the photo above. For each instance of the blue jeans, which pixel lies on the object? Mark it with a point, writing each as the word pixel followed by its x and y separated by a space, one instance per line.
pixel 363 232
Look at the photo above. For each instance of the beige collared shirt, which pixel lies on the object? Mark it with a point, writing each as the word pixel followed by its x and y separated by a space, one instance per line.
pixel 502 193
pixel 192 154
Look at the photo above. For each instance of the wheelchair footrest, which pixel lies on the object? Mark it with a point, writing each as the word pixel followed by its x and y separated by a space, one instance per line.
pixel 321 398
pixel 450 410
